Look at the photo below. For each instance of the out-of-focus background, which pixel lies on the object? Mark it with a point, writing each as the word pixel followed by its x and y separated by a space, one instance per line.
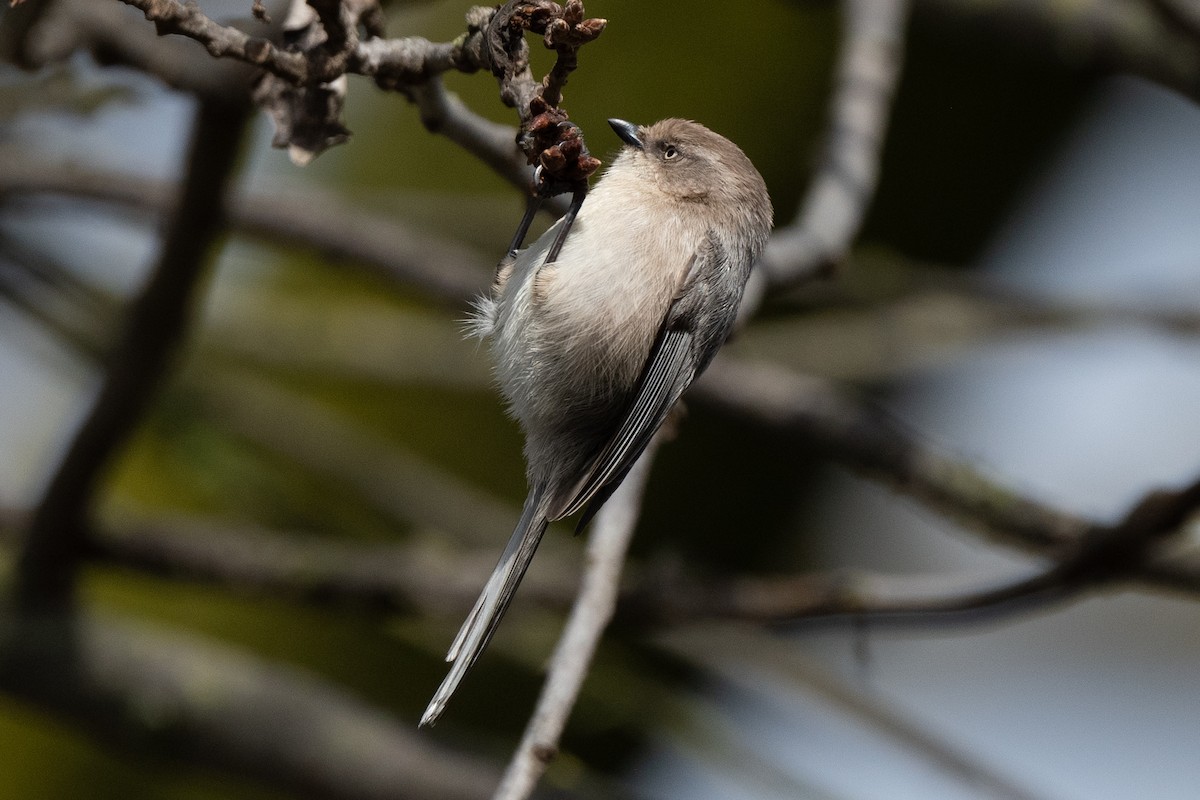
pixel 1024 294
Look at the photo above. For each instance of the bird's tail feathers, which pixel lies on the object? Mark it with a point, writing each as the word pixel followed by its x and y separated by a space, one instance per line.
pixel 493 601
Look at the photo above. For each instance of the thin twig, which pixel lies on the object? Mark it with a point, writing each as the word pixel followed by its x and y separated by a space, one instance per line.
pixel 49 292
pixel 1178 571
pixel 612 531
pixel 548 138
pixel 307 112
pixel 863 597
pixel 403 578
pixel 222 41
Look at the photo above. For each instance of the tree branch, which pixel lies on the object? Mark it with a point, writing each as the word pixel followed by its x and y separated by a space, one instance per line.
pixel 1103 556
pixel 405 487
pixel 402 577
pixel 867 439
pixel 391 62
pixel 307 106
pixel 223 41
pixel 155 328
pixel 548 139
pixel 868 71
pixel 112 35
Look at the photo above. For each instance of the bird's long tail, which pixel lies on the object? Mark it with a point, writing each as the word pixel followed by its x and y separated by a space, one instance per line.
pixel 493 601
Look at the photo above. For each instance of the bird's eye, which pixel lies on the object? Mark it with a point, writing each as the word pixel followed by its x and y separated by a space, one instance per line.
pixel 670 152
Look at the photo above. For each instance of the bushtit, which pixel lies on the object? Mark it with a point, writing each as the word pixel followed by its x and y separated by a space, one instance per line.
pixel 593 349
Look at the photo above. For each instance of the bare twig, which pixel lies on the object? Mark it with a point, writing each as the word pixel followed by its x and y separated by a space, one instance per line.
pixel 1087 553
pixel 609 541
pixel 1114 552
pixel 832 211
pixel 223 41
pixel 864 597
pixel 433 266
pixel 548 138
pixel 565 36
pixel 1178 571
pixel 48 292
pixel 307 107
pixel 403 578
pixel 156 326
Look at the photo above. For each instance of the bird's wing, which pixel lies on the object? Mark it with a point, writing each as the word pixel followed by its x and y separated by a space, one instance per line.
pixel 685 344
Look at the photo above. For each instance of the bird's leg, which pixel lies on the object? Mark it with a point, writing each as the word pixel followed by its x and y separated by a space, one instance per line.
pixel 531 208
pixel 568 220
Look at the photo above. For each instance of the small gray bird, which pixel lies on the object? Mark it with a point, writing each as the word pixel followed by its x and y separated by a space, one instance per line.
pixel 593 349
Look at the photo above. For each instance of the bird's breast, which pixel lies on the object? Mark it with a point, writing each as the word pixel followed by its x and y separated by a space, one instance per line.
pixel 573 336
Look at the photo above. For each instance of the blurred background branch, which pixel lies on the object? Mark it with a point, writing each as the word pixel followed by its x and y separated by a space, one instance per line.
pixel 135 368
pixel 868 70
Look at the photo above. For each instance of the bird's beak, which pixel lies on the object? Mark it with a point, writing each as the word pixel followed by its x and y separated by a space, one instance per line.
pixel 627 131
